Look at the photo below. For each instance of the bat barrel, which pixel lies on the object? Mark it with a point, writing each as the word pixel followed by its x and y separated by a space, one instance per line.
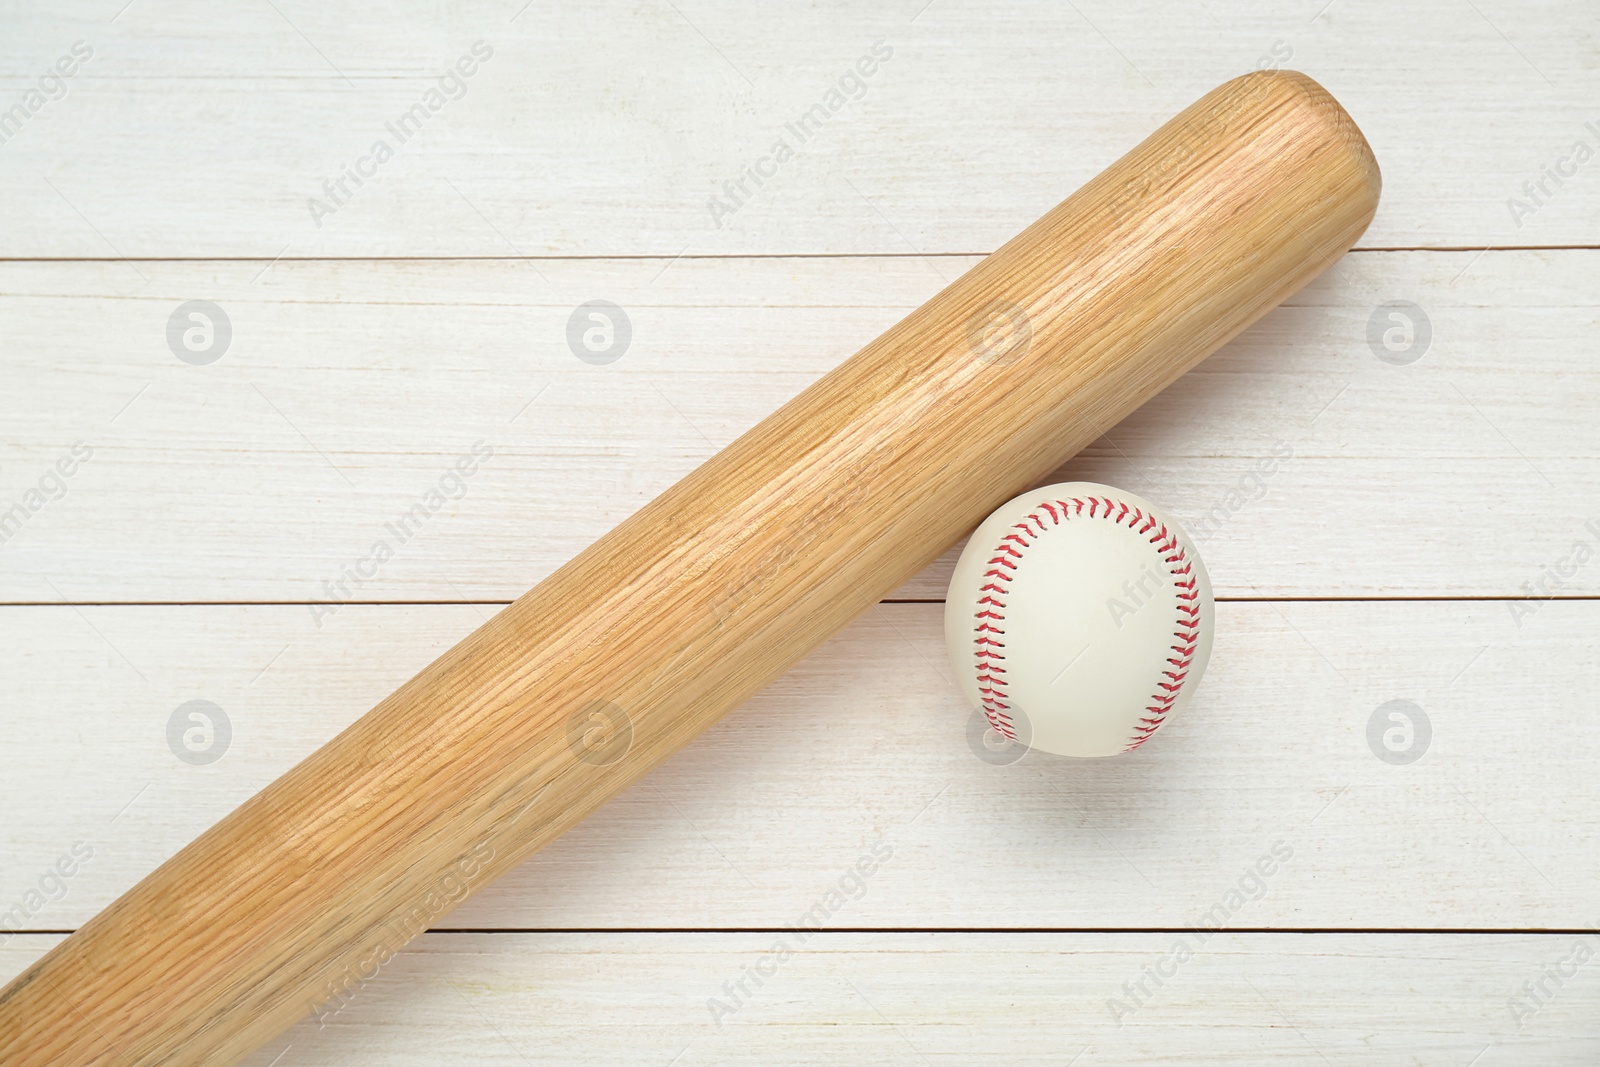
pixel 288 904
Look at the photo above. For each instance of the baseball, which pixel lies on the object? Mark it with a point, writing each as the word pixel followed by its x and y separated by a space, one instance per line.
pixel 1079 619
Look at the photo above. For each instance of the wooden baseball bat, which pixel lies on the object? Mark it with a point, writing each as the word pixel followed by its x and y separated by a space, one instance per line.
pixel 710 591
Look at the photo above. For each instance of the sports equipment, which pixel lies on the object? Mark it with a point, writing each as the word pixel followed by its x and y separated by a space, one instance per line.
pixel 711 590
pixel 1079 618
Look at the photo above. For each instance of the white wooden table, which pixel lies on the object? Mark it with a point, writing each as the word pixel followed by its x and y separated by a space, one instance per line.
pixel 1433 536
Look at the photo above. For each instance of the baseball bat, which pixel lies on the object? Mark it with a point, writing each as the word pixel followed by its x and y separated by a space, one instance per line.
pixel 710 591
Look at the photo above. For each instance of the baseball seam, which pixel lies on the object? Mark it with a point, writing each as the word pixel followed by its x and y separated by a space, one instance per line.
pixel 989 626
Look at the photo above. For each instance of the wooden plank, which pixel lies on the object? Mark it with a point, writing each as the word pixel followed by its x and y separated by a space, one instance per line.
pixel 575 137
pixel 349 389
pixel 866 744
pixel 1239 1000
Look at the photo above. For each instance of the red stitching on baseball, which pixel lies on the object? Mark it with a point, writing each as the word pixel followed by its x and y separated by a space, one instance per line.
pixel 991 680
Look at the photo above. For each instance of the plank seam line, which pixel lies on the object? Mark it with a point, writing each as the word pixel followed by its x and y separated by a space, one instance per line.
pixel 645 256
pixel 1254 931
pixel 1309 599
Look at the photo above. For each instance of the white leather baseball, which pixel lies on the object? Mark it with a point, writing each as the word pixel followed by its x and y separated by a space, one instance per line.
pixel 1079 619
